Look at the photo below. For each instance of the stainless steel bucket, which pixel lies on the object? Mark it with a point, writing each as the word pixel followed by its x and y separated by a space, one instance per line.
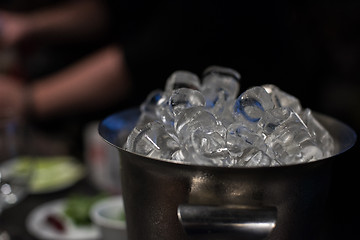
pixel 171 201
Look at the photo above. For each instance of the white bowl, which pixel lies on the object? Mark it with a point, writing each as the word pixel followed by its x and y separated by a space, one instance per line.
pixel 106 214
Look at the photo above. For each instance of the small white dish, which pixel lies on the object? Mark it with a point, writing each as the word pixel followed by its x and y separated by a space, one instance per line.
pixel 38 226
pixel 108 215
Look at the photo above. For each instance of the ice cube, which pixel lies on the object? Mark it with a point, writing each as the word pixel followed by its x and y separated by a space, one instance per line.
pixel 180 155
pixel 151 101
pixel 182 79
pixel 310 151
pixel 283 99
pixel 226 117
pixel 252 104
pixel 222 72
pixel 191 119
pixel 296 153
pixel 177 80
pixel 239 138
pixel 272 118
pixel 208 145
pixel 148 107
pixel 322 136
pixel 183 98
pixel 253 157
pixel 220 83
pixel 289 137
pixel 202 136
pixel 153 140
pixel 162 110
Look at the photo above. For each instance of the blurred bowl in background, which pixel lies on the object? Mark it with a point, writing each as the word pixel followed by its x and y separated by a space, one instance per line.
pixel 109 216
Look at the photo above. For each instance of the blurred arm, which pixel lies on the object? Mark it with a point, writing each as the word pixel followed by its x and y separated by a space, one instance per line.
pixel 77 19
pixel 97 81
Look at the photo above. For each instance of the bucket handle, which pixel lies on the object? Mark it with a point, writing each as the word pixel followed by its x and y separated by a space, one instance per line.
pixel 227 222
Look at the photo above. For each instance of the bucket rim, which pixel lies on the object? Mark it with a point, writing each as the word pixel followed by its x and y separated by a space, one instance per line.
pixel 110 126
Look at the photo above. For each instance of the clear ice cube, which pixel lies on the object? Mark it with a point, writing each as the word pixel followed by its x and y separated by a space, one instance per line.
pixel 253 157
pixel 220 84
pixel 272 118
pixel 191 119
pixel 149 106
pixel 153 140
pixel 162 110
pixel 252 104
pixel 239 138
pixel 151 101
pixel 182 79
pixel 322 136
pixel 283 99
pixel 183 98
pixel 226 117
pixel 180 155
pixel 208 145
pixel 289 137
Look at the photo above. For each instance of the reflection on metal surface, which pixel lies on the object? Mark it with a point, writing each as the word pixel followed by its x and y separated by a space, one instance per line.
pixel 227 222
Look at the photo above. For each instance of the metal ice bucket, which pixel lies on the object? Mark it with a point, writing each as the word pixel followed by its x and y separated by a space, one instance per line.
pixel 165 200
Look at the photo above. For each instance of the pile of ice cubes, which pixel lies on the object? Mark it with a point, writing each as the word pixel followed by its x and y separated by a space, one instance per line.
pixel 207 123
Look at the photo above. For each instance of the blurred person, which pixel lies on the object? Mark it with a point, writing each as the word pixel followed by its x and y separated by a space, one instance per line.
pixel 96 81
pixel 90 84
pixel 56 106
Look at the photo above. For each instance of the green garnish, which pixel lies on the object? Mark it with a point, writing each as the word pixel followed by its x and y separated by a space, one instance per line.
pixel 77 208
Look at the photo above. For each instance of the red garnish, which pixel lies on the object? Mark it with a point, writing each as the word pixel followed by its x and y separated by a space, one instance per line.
pixel 56 222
